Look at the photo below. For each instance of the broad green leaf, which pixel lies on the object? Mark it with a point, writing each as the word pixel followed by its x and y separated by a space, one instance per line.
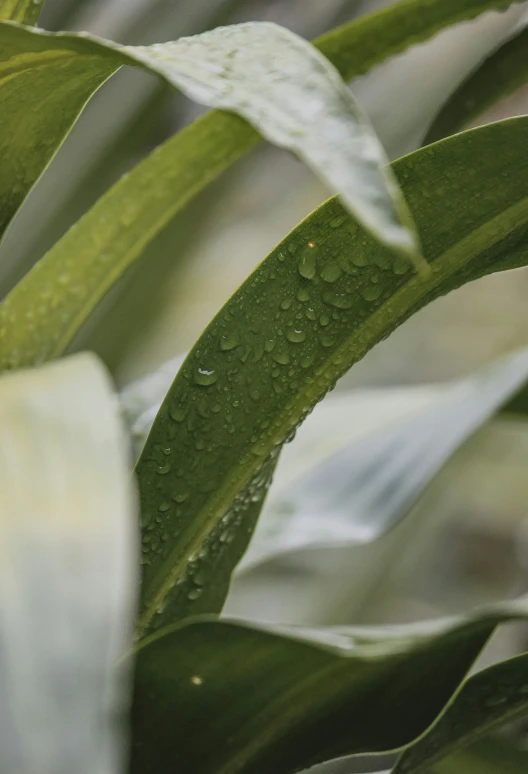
pixel 296 697
pixel 275 80
pixel 498 76
pixel 31 137
pixel 320 300
pixel 486 701
pixel 67 569
pixel 22 11
pixel 355 492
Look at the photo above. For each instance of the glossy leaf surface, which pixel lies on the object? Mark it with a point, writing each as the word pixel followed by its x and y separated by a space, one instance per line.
pixel 67 572
pixel 322 298
pixel 296 697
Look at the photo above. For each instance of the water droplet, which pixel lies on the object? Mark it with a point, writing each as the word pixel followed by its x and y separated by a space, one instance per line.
pixel 400 266
pixel 324 320
pixel 200 577
pixel 330 272
pixel 164 506
pixel 295 336
pixel 307 360
pixel 181 497
pixel 205 378
pixel 339 300
pixel 194 594
pixel 360 260
pixel 307 266
pixel 254 395
pixel 282 357
pixel 228 341
pixel 286 304
pixel 269 345
pixel 371 293
pixel 327 340
pixel 302 295
pixel 177 413
pixel 164 469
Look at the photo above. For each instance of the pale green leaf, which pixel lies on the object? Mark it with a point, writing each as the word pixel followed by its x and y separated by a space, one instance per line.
pixel 67 575
pixel 358 491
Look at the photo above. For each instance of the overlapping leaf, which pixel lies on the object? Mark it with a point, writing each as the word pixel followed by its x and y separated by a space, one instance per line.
pixel 66 571
pixel 273 78
pixel 295 697
pixel 37 125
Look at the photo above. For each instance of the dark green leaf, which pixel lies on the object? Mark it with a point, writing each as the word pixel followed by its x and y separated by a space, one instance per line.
pixel 294 698
pixel 501 73
pixel 21 11
pixel 486 701
pixel 323 297
pixel 491 756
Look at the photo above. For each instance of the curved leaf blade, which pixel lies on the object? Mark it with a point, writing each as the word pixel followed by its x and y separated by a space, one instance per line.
pixel 353 48
pixel 67 570
pixel 22 11
pixel 488 700
pixel 319 301
pixel 297 697
pixel 498 76
pixel 283 87
pixel 365 488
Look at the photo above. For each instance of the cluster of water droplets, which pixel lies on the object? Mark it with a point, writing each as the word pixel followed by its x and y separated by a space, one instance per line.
pixel 272 352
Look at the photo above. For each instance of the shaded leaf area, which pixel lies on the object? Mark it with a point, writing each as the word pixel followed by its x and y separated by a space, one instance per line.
pixel 222 697
pixel 36 120
pixel 357 492
pixel 274 79
pixel 314 307
pixel 486 701
pixel 67 571
pixel 498 76
pixel 491 756
pixel 21 11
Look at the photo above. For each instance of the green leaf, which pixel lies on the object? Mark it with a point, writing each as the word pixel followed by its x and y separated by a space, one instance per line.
pixel 22 11
pixel 281 85
pixel 317 304
pixel 194 158
pixel 498 76
pixel 296 697
pixel 355 491
pixel 486 701
pixel 68 569
pixel 491 756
